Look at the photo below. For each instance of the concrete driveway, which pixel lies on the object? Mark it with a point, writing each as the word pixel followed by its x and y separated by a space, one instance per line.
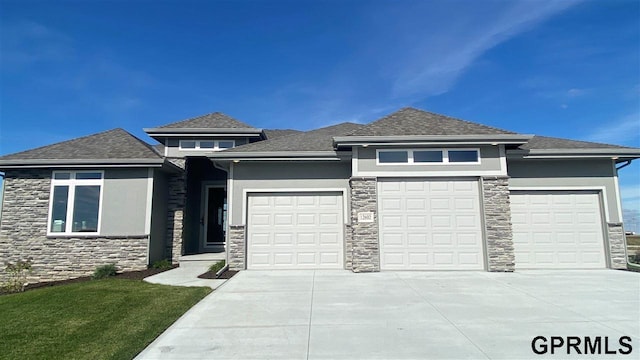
pixel 406 315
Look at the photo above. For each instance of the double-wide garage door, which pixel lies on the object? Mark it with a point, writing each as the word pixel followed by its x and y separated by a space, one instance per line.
pixel 295 231
pixel 430 225
pixel 557 230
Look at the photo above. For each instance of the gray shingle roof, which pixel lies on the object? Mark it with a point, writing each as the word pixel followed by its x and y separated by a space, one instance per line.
pixel 552 143
pixel 276 133
pixel 315 140
pixel 216 120
pixel 411 121
pixel 108 145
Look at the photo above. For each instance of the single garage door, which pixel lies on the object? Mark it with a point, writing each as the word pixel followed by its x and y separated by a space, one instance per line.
pixel 557 230
pixel 430 225
pixel 295 231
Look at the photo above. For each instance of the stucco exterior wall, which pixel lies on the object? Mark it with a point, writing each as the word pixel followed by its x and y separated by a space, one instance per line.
pixel 568 174
pixel 287 176
pixel 124 207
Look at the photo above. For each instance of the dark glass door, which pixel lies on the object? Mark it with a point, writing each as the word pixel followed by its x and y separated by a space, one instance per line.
pixel 216 216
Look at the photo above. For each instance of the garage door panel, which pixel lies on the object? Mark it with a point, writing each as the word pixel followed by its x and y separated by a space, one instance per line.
pixel 428 223
pixel 571 238
pixel 418 259
pixel 295 230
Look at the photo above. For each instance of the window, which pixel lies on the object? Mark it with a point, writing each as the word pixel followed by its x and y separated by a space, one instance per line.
pixel 75 202
pixel 463 156
pixel 390 157
pixel 213 145
pixel 429 156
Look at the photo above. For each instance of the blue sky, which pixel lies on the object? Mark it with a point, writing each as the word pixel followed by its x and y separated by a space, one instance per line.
pixel 558 68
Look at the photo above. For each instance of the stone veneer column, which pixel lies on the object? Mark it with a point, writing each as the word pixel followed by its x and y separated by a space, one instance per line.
pixel 364 243
pixel 617 246
pixel 348 244
pixel 175 211
pixel 23 235
pixel 497 221
pixel 237 247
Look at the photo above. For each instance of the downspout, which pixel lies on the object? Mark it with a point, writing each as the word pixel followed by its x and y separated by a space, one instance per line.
pixel 629 264
pixel 627 163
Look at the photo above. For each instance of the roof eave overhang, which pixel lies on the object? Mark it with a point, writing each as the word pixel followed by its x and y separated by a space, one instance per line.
pixel 615 154
pixel 280 156
pixel 430 140
pixel 79 163
pixel 203 132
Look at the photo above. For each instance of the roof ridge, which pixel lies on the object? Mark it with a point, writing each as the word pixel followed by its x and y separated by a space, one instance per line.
pixel 65 141
pixel 453 118
pixel 582 141
pixel 218 113
pixel 146 144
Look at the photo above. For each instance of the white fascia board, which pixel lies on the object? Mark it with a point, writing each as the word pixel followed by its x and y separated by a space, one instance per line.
pixel 77 163
pixel 574 153
pixel 432 140
pixel 172 132
pixel 280 155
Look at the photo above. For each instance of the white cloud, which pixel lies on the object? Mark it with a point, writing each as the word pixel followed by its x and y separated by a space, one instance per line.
pixel 27 42
pixel 434 59
pixel 625 130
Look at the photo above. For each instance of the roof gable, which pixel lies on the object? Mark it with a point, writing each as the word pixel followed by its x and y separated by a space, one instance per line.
pixel 410 121
pixel 108 145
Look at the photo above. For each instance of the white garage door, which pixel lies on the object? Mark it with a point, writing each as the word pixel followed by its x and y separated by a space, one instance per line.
pixel 430 225
pixel 557 230
pixel 295 231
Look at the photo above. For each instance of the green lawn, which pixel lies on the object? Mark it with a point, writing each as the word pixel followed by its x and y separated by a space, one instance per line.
pixel 104 319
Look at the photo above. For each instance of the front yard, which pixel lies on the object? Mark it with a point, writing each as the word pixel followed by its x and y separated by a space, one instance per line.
pixel 104 319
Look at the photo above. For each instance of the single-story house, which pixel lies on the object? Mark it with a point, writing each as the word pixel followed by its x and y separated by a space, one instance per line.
pixel 414 190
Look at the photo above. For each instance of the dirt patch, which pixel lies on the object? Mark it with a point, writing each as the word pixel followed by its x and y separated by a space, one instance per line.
pixel 228 274
pixel 131 275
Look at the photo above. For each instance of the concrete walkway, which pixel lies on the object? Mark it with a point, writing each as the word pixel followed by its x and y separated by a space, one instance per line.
pixel 404 315
pixel 187 274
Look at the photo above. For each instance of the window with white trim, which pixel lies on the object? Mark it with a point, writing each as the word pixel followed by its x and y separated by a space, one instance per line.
pixel 211 145
pixel 75 202
pixel 428 156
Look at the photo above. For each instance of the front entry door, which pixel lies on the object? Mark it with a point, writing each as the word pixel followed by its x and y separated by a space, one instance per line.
pixel 215 219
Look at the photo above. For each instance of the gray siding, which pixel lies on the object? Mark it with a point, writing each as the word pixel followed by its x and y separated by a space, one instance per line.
pixel 287 176
pixel 158 235
pixel 489 161
pixel 567 173
pixel 124 207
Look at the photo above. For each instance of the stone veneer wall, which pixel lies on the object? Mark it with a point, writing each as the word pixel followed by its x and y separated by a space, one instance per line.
pixel 497 218
pixel 363 241
pixel 237 248
pixel 617 246
pixel 23 235
pixel 175 211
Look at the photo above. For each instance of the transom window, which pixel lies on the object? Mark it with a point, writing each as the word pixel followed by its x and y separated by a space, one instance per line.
pixel 75 202
pixel 214 145
pixel 428 156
